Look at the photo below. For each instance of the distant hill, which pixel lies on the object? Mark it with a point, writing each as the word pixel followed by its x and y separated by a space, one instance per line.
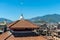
pixel 4 19
pixel 48 18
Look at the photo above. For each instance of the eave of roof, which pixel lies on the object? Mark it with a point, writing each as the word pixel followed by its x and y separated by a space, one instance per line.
pixel 22 24
pixel 8 36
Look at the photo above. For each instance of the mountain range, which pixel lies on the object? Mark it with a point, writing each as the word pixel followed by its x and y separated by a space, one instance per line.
pixel 4 19
pixel 47 18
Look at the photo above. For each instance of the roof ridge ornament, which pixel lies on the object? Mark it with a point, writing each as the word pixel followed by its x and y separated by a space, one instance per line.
pixel 21 17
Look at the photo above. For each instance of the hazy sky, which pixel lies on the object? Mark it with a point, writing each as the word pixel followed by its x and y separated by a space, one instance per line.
pixel 11 9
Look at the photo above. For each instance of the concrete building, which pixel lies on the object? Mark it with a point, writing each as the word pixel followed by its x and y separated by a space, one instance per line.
pixel 3 27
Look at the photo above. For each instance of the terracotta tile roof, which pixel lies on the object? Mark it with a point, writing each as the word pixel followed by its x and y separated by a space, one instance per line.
pixel 22 24
pixel 8 36
pixel 11 38
pixel 4 35
pixel 8 25
pixel 26 38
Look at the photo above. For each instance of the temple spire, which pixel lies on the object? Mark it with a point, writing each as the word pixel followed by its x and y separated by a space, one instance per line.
pixel 21 17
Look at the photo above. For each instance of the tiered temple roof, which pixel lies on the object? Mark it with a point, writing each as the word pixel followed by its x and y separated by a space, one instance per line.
pixel 17 25
pixel 22 24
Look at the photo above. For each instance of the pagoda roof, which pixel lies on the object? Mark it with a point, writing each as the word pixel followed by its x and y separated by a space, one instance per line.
pixel 22 24
pixel 9 36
